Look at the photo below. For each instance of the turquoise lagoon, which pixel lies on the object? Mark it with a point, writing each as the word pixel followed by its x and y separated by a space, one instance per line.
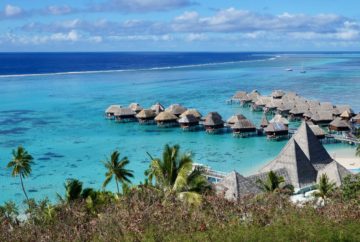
pixel 59 118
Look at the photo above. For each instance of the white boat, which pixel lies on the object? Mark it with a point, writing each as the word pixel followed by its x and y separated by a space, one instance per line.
pixel 288 69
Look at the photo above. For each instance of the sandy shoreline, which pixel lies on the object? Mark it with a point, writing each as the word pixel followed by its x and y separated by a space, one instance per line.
pixel 346 157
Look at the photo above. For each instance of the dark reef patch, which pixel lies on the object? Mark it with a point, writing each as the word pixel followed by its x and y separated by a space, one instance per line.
pixel 13 131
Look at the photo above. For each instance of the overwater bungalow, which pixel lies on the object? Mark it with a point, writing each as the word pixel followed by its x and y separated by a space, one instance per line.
pixel 239 95
pixel 176 109
pixel 193 112
pixel 213 122
pixel 322 117
pixel 245 101
pixel 188 122
pixel 111 110
pixel 125 115
pixel 243 128
pixel 254 95
pixel 307 115
pixel 339 125
pixel 146 116
pixel 157 108
pixel 233 119
pixel 297 112
pixel 279 119
pixel 277 94
pixel 135 107
pixel 339 109
pixel 276 131
pixel 284 108
pixel 166 119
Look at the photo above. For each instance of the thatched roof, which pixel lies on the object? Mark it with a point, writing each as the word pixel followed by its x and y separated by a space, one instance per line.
pixel 239 95
pixel 279 119
pixel 340 123
pixel 193 112
pixel 157 108
pixel 233 119
pixel 262 101
pixel 322 116
pixel 243 124
pixel 342 108
pixel 146 113
pixel 188 119
pixel 135 107
pixel 264 175
pixel 335 172
pixel 308 114
pixel 299 109
pixel 254 95
pixel 124 112
pixel 299 168
pixel 286 106
pixel 264 122
pixel 311 146
pixel 165 116
pixel 326 106
pixel 274 103
pixel 176 109
pixel 276 127
pixel 213 119
pixel 317 130
pixel 113 109
pixel 277 94
pixel 346 114
pixel 235 186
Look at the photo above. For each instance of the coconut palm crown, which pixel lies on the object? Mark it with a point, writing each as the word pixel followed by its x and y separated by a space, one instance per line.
pixel 175 173
pixel 116 167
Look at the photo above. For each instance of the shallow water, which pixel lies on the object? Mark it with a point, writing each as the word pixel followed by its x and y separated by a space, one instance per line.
pixel 59 118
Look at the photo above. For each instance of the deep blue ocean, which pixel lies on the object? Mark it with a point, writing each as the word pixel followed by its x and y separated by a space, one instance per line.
pixel 53 104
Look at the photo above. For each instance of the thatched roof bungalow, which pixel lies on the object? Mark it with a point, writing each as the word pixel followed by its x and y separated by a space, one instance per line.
pixel 176 109
pixel 339 124
pixel 157 108
pixel 213 122
pixel 135 107
pixel 233 119
pixel 243 128
pixel 146 116
pixel 111 110
pixel 235 186
pixel 322 117
pixel 166 119
pixel 298 111
pixel 125 115
pixel 356 119
pixel 239 95
pixel 264 122
pixel 346 115
pixel 188 122
pixel 276 131
pixel 192 111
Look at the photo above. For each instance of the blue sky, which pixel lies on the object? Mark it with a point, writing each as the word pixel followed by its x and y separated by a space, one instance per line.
pixel 179 25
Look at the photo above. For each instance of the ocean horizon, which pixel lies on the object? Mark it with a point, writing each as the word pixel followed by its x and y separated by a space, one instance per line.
pixel 53 104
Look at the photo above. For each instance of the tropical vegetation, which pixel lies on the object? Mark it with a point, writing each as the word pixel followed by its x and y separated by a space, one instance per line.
pixel 176 203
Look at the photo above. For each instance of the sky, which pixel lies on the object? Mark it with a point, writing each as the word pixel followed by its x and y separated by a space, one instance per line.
pixel 179 25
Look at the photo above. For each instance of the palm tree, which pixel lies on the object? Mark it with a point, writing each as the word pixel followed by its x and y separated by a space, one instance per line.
pixel 358 150
pixel 175 173
pixel 73 189
pixel 274 183
pixel 21 165
pixel 117 168
pixel 325 187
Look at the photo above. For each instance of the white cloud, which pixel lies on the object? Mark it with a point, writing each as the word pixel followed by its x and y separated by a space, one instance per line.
pixel 71 36
pixel 59 10
pixel 195 37
pixel 11 10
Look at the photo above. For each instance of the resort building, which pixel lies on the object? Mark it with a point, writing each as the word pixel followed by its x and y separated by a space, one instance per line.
pixel 157 108
pixel 166 119
pixel 192 111
pixel 146 116
pixel 135 107
pixel 305 159
pixel 243 128
pixel 235 118
pixel 279 119
pixel 125 115
pixel 234 186
pixel 276 131
pixel 176 109
pixel 264 122
pixel 339 125
pixel 188 122
pixel 111 110
pixel 213 122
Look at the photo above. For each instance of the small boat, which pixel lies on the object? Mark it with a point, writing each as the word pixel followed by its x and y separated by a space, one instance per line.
pixel 288 69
